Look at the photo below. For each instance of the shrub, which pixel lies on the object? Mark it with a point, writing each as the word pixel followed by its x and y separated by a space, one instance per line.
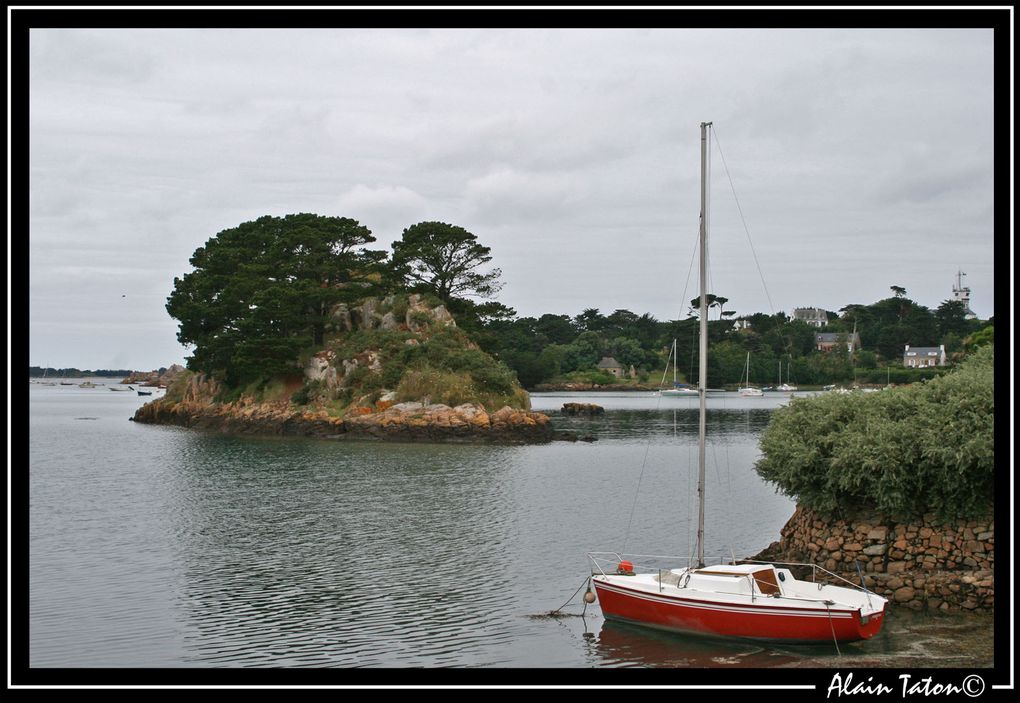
pixel 434 385
pixel 904 452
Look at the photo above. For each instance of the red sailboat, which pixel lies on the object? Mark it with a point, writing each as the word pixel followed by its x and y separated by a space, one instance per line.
pixel 748 600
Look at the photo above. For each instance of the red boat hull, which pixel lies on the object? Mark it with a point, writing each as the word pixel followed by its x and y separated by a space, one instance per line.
pixel 762 622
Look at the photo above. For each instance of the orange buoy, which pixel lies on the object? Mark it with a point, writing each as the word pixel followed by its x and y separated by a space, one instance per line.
pixel 625 567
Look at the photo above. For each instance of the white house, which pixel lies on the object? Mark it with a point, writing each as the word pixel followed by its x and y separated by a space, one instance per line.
pixel 816 317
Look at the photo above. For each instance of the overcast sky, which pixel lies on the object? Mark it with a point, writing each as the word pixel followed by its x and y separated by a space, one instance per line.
pixel 860 160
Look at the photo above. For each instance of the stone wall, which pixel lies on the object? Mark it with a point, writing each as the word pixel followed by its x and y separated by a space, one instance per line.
pixel 922 565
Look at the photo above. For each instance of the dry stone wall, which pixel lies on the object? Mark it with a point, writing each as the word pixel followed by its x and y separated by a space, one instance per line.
pixel 924 565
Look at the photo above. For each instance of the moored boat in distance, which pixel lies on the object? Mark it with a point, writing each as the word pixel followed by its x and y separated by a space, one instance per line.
pixel 680 390
pixel 749 391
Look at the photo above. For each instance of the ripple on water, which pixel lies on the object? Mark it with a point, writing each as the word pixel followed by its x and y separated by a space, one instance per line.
pixel 164 547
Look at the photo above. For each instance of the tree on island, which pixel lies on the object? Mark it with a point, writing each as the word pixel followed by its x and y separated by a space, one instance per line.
pixel 448 262
pixel 261 291
pixel 444 259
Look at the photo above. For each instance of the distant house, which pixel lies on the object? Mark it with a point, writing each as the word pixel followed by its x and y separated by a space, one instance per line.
pixel 919 357
pixel 827 341
pixel 611 365
pixel 816 317
pixel 741 324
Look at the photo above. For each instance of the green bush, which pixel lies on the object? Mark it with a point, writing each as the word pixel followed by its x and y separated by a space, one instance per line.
pixel 434 385
pixel 927 447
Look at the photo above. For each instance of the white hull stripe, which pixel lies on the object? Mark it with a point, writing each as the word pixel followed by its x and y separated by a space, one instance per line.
pixel 728 607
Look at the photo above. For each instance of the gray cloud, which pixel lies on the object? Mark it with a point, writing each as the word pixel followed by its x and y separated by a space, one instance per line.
pixel 861 159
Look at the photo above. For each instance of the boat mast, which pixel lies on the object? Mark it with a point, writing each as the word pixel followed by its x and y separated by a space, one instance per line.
pixel 702 346
pixel 674 362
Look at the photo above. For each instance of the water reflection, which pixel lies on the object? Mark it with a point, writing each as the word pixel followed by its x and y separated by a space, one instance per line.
pixel 622 644
pixel 679 423
pixel 300 553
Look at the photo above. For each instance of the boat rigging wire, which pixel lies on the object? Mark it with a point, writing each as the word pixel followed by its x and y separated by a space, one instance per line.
pixel 747 232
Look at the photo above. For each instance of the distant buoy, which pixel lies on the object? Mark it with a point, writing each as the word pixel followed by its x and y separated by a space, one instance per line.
pixel 589 596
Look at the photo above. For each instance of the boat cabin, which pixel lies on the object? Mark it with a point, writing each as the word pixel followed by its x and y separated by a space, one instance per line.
pixel 749 579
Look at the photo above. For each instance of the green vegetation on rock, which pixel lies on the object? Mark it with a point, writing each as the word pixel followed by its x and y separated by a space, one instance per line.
pixel 425 358
pixel 904 452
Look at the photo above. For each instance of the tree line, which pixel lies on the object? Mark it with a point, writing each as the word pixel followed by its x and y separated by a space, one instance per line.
pixel 781 349
pixel 260 295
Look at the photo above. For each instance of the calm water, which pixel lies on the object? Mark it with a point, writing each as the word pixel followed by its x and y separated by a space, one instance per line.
pixel 165 547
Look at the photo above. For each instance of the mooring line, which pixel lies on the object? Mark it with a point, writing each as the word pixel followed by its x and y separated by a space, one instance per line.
pixel 586 580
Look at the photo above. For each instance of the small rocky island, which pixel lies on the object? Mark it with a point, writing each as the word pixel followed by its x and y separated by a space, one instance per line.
pixel 396 368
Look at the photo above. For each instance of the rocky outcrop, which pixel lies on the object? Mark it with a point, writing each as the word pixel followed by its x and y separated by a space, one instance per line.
pixel 467 422
pixel 349 376
pixel 406 422
pixel 582 409
pixel 389 313
pixel 392 313
pixel 924 565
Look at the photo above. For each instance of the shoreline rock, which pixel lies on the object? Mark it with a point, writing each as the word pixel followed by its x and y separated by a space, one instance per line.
pixel 582 409
pixel 405 422
pixel 922 565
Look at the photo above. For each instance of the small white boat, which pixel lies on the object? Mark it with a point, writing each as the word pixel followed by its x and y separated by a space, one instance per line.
pixel 681 389
pixel 785 387
pixel 749 391
pixel 678 389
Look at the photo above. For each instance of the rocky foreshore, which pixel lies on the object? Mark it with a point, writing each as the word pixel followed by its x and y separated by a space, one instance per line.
pixel 407 422
pixel 159 377
pixel 923 565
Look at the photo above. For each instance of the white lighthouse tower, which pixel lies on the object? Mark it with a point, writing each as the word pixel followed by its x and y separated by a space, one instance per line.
pixel 962 294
